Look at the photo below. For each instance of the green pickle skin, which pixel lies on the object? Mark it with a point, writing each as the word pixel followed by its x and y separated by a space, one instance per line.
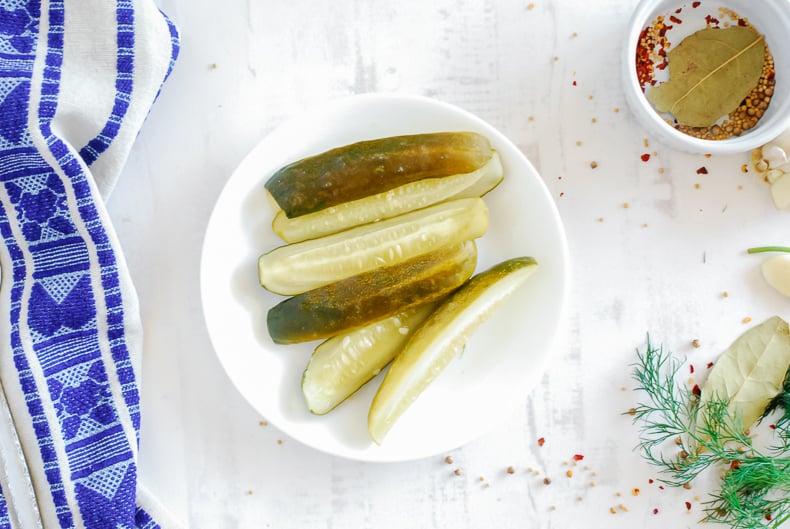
pixel 364 298
pixel 374 166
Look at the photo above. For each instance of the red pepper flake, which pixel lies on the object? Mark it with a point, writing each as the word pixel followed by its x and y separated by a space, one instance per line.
pixel 655 511
pixel 695 5
pixel 650 481
pixel 772 426
pixel 711 21
pixel 688 505
pixel 702 170
pixel 574 83
pixel 645 157
pixel 768 516
pixel 742 23
pixel 710 364
pixel 661 487
pixel 578 457
pixel 541 441
pixel 678 10
pixel 696 391
pixel 735 464
pixel 691 368
pixel 675 19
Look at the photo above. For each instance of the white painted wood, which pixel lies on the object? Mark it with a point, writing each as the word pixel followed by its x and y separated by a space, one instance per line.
pixel 659 265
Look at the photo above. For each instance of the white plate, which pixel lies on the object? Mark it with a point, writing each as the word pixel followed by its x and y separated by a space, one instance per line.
pixel 501 364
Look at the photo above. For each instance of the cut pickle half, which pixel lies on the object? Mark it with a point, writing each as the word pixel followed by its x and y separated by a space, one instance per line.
pixel 359 300
pixel 441 338
pixel 343 364
pixel 299 267
pixel 368 167
pixel 408 197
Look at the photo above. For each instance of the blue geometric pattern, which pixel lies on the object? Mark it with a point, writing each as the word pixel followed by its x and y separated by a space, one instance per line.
pixel 5 522
pixel 66 302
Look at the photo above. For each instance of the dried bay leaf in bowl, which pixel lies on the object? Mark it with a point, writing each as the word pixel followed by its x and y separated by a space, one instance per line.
pixel 710 73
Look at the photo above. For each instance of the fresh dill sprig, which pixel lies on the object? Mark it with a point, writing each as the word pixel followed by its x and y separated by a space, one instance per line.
pixel 755 486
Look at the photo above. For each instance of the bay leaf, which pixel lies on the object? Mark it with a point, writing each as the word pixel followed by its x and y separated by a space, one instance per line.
pixel 710 73
pixel 751 371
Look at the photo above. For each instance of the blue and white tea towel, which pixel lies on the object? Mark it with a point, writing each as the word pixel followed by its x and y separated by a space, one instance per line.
pixel 77 79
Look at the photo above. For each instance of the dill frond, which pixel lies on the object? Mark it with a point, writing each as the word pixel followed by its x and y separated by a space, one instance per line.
pixel 755 485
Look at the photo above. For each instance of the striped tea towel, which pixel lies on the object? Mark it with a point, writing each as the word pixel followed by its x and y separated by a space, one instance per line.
pixel 77 79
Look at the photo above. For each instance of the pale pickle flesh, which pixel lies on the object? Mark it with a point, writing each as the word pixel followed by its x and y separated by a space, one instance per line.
pixel 441 338
pixel 343 364
pixel 299 267
pixel 408 197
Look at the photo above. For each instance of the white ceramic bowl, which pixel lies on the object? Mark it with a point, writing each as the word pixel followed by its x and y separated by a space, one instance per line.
pixel 769 17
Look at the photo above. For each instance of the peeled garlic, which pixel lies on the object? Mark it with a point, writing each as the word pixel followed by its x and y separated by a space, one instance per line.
pixel 772 162
pixel 776 271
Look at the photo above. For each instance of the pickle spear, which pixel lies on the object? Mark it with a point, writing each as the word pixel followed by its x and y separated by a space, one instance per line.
pixel 359 300
pixel 297 268
pixel 343 364
pixel 374 166
pixel 441 338
pixel 402 199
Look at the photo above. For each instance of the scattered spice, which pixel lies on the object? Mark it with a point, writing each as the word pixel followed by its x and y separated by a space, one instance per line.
pixel 626 205
pixel 578 457
pixel 531 7
pixel 448 460
pixel 695 5
pixel 593 165
pixel 263 423
pixel 747 319
pixel 541 441
pixel 574 83
pixel 696 391
pixel 691 368
pixel 511 470
pixel 546 481
pixel 645 157
pixel 688 505
pixel 695 343
pixel 744 168
pixel 635 492
pixel 279 441
pixel 457 472
pixel 655 511
pixel 702 170
pixel 687 486
pixel 612 510
pixel 569 473
pixel 710 364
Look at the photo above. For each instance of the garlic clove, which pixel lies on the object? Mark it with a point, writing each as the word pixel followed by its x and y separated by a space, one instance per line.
pixel 775 155
pixel 776 271
pixel 780 191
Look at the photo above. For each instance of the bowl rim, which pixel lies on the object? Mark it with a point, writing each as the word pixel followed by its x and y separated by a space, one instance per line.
pixel 652 120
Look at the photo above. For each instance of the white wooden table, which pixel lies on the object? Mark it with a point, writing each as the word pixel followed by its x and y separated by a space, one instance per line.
pixel 654 247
